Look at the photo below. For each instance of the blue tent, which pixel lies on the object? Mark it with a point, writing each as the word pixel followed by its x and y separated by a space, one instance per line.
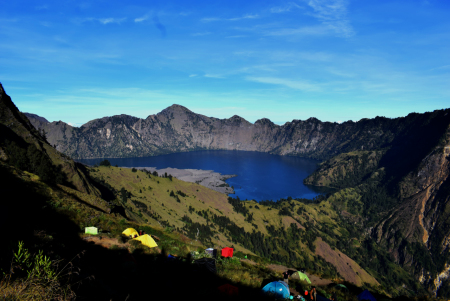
pixel 279 289
pixel 366 295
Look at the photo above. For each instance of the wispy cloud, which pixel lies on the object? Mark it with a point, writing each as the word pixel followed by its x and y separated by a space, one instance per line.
pixel 332 13
pixel 111 20
pixel 286 8
pixel 298 85
pixel 236 37
pixel 192 75
pixel 247 16
pixel 141 19
pixel 302 31
pixel 103 21
pixel 199 34
pixel 214 75
pixel 42 7
pixel 441 67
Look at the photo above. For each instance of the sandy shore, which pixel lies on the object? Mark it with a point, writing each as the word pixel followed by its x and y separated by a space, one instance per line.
pixel 207 178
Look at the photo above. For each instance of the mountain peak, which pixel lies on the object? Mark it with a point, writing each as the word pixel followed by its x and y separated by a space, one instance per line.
pixel 176 107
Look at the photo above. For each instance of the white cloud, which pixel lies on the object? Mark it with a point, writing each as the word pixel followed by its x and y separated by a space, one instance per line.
pixel 193 75
pixel 298 85
pixel 247 16
pixel 286 8
pixel 332 13
pixel 143 18
pixel 199 34
pixel 111 20
pixel 103 21
pixel 213 75
pixel 307 30
pixel 41 7
pixel 236 37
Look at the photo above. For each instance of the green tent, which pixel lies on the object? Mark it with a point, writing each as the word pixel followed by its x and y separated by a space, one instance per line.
pixel 91 230
pixel 302 276
pixel 341 286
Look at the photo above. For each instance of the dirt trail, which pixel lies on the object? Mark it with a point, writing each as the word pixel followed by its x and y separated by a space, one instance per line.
pixel 106 242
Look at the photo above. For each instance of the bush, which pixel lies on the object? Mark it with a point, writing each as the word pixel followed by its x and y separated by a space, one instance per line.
pixel 35 277
pixel 105 163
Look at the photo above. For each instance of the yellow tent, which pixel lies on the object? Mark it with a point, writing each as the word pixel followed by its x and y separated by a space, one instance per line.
pixel 146 240
pixel 130 231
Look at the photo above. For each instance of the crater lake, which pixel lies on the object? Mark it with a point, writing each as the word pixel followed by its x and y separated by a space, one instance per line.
pixel 259 176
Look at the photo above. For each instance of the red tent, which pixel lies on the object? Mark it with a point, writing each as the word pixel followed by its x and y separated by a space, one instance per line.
pixel 227 252
pixel 229 290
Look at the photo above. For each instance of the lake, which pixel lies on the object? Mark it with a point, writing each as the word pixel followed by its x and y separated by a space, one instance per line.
pixel 260 176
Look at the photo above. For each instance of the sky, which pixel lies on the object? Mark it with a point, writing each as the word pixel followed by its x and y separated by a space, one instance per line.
pixel 334 60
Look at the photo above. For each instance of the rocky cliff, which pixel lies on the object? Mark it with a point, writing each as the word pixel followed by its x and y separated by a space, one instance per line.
pixel 20 139
pixel 178 129
pixel 403 190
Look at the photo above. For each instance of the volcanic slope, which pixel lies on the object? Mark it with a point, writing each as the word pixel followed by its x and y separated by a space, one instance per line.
pixel 400 195
pixel 177 129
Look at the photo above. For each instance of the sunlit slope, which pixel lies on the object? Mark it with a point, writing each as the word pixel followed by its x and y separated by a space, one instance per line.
pixel 290 228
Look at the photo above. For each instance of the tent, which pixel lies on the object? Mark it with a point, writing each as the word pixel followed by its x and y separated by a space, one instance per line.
pixel 301 276
pixel 229 290
pixel 279 289
pixel 146 240
pixel 130 231
pixel 207 263
pixel 209 251
pixel 341 286
pixel 366 295
pixel 227 252
pixel 91 230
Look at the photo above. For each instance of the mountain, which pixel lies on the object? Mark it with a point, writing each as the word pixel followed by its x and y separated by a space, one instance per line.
pixel 402 193
pixel 388 215
pixel 49 199
pixel 26 148
pixel 392 174
pixel 177 129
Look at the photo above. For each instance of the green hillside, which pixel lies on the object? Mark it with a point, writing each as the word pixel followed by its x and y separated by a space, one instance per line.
pixel 48 200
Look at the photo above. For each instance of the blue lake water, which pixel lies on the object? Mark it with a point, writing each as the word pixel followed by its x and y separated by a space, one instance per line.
pixel 260 176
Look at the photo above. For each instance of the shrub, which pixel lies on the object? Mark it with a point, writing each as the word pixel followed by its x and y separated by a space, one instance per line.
pixel 36 277
pixel 105 163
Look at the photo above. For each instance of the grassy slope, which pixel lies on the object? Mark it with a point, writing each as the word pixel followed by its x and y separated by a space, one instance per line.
pixel 159 201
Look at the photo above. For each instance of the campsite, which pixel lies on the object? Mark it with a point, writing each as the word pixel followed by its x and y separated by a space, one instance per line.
pixel 218 272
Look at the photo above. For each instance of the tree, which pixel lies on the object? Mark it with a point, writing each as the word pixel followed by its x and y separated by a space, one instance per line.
pixel 123 194
pixel 105 163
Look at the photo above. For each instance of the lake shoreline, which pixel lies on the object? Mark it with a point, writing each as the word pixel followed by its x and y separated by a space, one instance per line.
pixel 208 178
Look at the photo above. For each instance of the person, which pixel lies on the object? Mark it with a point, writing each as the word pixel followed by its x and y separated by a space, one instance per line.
pixel 286 277
pixel 140 232
pixel 313 293
pixel 334 298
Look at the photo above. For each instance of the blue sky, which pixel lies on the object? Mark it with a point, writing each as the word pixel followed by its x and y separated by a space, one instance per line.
pixel 334 60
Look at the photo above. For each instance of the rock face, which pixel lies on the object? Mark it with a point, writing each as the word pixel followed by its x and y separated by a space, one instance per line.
pixel 177 129
pixel 15 127
pixel 404 187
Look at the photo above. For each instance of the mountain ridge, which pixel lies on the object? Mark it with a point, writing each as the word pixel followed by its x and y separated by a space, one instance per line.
pixel 175 129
